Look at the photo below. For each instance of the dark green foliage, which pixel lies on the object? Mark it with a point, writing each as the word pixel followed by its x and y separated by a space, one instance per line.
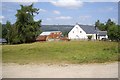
pixel 89 37
pixel 100 25
pixel 65 33
pixel 112 29
pixel 25 29
pixel 113 33
pixel 4 31
pixel 109 24
pixel 7 32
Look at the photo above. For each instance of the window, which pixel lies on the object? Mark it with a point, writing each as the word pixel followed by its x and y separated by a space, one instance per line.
pixel 80 31
pixel 77 36
pixel 73 31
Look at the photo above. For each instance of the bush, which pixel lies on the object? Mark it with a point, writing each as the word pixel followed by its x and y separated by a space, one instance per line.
pixel 89 37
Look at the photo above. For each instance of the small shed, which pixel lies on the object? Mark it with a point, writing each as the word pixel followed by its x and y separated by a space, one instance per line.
pixel 102 35
pixel 49 36
pixel 2 40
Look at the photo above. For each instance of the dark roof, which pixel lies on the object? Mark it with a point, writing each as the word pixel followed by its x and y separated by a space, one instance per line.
pixel 48 32
pixel 102 33
pixel 63 28
pixel 89 29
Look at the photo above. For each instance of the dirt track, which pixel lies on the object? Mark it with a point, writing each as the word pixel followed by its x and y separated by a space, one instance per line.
pixel 106 70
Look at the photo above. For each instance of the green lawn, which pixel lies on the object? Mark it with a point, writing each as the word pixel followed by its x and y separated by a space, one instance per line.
pixel 61 52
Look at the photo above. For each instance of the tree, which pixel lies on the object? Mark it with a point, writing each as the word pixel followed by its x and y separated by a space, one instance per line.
pixel 97 23
pixel 89 37
pixel 65 33
pixel 27 29
pixel 118 32
pixel 0 30
pixel 112 29
pixel 100 25
pixel 113 33
pixel 9 32
pixel 109 23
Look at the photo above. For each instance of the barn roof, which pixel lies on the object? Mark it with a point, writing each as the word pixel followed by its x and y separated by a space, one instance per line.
pixel 48 32
pixel 102 33
pixel 89 29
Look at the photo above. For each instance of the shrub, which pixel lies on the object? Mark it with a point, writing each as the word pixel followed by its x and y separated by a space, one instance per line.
pixel 89 37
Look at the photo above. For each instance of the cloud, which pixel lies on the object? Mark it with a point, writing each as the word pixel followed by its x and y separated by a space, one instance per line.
pixel 24 1
pixel 1 18
pixel 71 4
pixel 56 12
pixel 63 17
pixel 48 19
pixel 106 9
pixel 57 0
pixel 42 10
pixel 85 17
pixel 110 9
pixel 101 0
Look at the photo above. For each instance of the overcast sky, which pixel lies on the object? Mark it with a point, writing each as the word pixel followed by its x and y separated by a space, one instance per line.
pixel 64 12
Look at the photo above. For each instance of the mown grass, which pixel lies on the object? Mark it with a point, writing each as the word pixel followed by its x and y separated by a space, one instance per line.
pixel 61 52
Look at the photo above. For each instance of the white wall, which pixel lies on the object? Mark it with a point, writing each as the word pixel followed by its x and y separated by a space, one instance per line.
pixel 77 33
pixel 93 36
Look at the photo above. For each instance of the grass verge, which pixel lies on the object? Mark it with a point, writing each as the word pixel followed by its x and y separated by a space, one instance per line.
pixel 61 52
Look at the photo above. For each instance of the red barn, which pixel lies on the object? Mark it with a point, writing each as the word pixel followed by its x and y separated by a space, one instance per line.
pixel 49 36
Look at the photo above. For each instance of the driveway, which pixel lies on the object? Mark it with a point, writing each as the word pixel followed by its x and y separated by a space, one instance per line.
pixel 95 70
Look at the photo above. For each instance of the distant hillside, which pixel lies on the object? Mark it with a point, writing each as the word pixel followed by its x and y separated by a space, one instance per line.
pixel 63 28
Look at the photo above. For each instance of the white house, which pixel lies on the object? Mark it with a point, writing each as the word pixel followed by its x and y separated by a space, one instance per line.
pixel 83 31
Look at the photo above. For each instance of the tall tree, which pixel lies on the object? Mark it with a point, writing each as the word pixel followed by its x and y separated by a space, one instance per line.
pixel 97 24
pixel 109 23
pixel 27 28
pixel 100 25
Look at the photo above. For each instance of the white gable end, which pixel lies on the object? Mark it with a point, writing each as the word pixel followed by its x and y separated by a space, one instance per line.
pixel 77 33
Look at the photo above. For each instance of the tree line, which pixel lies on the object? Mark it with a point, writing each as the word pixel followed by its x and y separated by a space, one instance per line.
pixel 25 29
pixel 113 30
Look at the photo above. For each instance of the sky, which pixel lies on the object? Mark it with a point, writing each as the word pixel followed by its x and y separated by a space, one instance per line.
pixel 63 12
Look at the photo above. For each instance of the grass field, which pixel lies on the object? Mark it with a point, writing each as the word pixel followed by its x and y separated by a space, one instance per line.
pixel 61 52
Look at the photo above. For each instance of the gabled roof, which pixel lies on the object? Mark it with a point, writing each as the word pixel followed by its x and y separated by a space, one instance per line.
pixel 102 33
pixel 89 29
pixel 48 33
